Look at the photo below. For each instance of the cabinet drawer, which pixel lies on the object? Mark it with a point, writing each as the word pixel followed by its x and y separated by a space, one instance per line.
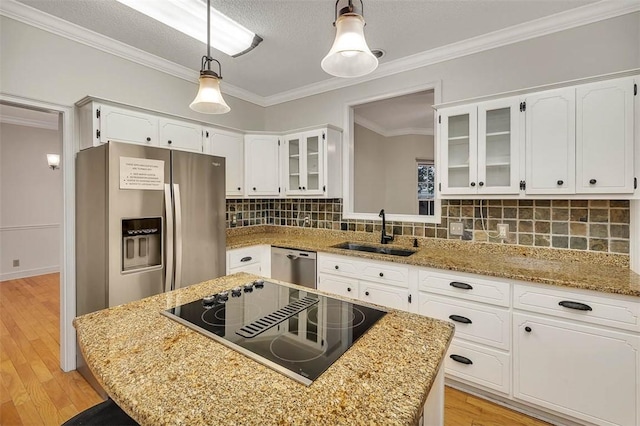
pixel 478 323
pixel 464 286
pixel 389 274
pixel 380 294
pixel 245 256
pixel 614 312
pixel 484 366
pixel 338 265
pixel 346 287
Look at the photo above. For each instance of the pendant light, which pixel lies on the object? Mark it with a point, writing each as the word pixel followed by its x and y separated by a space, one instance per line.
pixel 209 99
pixel 349 56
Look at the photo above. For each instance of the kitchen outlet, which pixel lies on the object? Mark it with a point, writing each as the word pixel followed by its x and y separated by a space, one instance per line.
pixel 16 263
pixel 456 228
pixel 306 220
pixel 503 230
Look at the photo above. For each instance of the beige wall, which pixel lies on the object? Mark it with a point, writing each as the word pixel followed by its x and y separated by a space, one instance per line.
pixel 369 177
pixel 40 65
pixel 30 201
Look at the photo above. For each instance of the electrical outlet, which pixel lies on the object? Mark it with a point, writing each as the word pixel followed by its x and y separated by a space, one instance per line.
pixel 456 228
pixel 503 230
pixel 16 263
pixel 306 220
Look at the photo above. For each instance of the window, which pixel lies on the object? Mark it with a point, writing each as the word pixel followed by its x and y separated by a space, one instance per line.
pixel 426 187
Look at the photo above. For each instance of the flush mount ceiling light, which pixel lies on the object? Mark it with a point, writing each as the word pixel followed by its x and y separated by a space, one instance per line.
pixel 187 16
pixel 209 99
pixel 349 56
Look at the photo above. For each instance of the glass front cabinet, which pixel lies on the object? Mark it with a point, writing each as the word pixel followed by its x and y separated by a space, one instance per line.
pixel 480 148
pixel 304 163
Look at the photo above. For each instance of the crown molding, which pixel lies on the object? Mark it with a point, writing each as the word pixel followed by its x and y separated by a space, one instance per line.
pixel 376 128
pixel 561 21
pixel 38 19
pixel 20 121
pixel 540 27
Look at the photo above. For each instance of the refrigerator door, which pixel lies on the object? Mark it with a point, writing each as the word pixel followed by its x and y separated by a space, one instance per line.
pixel 131 168
pixel 198 182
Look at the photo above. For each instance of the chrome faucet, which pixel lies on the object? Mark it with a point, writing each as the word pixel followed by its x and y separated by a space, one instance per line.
pixel 384 239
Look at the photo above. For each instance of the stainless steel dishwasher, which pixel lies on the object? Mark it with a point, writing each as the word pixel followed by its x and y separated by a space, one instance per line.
pixel 294 266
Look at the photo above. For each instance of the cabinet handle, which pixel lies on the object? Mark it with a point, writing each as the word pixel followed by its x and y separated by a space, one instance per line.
pixel 527 329
pixel 592 181
pixel 254 188
pixel 575 305
pixel 366 293
pixel 481 183
pixel 169 142
pixel 463 286
pixel 349 289
pixel 337 267
pixel 304 189
pixel 461 359
pixel 473 184
pixel 148 139
pixel 299 187
pixel 246 259
pixel 460 318
pixel 560 182
pixel 381 274
pixel 238 188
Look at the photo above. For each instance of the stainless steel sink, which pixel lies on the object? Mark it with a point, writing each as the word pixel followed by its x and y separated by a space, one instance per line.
pixel 375 249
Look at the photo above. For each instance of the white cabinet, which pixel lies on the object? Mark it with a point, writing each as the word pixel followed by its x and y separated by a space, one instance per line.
pixel 178 134
pixel 604 137
pixel 587 372
pixel 262 170
pixel 230 146
pixel 550 142
pixel 100 123
pixel 303 163
pixel 480 148
pixel 252 259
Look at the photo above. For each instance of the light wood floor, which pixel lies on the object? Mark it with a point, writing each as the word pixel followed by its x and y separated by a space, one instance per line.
pixel 34 391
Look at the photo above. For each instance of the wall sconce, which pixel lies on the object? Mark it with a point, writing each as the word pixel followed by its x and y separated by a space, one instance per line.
pixel 54 161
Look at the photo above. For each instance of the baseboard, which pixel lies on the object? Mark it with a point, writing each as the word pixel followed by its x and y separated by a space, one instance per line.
pixel 29 273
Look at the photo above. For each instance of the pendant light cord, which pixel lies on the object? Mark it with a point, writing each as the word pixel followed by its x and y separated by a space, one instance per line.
pixel 209 34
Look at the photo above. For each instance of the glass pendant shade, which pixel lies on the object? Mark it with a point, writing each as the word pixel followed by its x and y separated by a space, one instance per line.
pixel 209 98
pixel 349 56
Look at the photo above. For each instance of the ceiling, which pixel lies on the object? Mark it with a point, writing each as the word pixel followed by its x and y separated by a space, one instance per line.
pixel 410 114
pixel 27 117
pixel 298 33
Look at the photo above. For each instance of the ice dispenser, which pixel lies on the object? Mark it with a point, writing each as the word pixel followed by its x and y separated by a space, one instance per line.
pixel 141 243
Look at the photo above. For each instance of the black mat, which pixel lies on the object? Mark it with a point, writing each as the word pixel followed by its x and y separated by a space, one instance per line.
pixel 106 413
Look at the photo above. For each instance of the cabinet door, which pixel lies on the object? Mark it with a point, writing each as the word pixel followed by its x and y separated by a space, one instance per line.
pixel 121 125
pixel 498 146
pixel 346 287
pixel 381 294
pixel 550 142
pixel 458 147
pixel 586 372
pixel 313 143
pixel 262 169
pixel 292 165
pixel 231 147
pixel 604 137
pixel 180 135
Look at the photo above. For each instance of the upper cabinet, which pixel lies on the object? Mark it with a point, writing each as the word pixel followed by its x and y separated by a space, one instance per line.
pixel 303 163
pixel 182 135
pixel 575 140
pixel 262 170
pixel 101 123
pixel 479 147
pixel 230 146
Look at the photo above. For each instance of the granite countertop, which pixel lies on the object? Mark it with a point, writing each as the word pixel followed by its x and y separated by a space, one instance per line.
pixel 161 372
pixel 603 272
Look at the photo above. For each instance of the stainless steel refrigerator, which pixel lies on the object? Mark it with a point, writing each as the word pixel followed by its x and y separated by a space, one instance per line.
pixel 148 220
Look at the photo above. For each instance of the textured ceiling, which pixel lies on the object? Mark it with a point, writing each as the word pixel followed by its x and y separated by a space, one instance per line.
pixel 297 34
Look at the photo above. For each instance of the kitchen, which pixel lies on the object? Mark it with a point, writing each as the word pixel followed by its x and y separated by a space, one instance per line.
pixel 605 45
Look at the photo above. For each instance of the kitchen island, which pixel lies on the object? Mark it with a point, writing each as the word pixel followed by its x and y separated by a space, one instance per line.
pixel 161 372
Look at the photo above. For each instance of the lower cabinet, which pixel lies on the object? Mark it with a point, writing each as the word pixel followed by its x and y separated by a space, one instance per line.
pixel 478 364
pixel 253 259
pixel 587 372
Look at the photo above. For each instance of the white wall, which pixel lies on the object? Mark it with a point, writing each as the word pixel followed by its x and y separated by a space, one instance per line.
pixel 30 201
pixel 603 47
pixel 40 65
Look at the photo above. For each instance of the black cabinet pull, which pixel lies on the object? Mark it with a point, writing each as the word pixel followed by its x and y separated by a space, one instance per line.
pixel 254 188
pixel 560 182
pixel 304 188
pixel 337 267
pixel 592 181
pixel 299 187
pixel 381 274
pixel 148 139
pixel 238 188
pixel 348 288
pixel 460 318
pixel 463 286
pixel 481 183
pixel 461 359
pixel 473 184
pixel 246 259
pixel 169 142
pixel 575 305
pixel 366 293
pixel 527 329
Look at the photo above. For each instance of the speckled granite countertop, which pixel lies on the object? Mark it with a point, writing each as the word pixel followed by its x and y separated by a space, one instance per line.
pixel 163 373
pixel 604 272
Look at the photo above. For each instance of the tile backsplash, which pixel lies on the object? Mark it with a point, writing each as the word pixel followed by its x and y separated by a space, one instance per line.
pixel 592 225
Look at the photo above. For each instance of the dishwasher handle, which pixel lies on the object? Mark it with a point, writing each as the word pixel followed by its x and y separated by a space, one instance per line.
pixel 292 257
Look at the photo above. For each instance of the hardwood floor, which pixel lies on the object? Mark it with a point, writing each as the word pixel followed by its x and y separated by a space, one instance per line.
pixel 34 391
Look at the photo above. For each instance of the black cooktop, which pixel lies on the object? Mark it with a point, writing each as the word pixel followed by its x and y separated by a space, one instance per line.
pixel 296 332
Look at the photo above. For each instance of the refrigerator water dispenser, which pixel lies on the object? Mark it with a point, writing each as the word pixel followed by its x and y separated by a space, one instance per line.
pixel 141 243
